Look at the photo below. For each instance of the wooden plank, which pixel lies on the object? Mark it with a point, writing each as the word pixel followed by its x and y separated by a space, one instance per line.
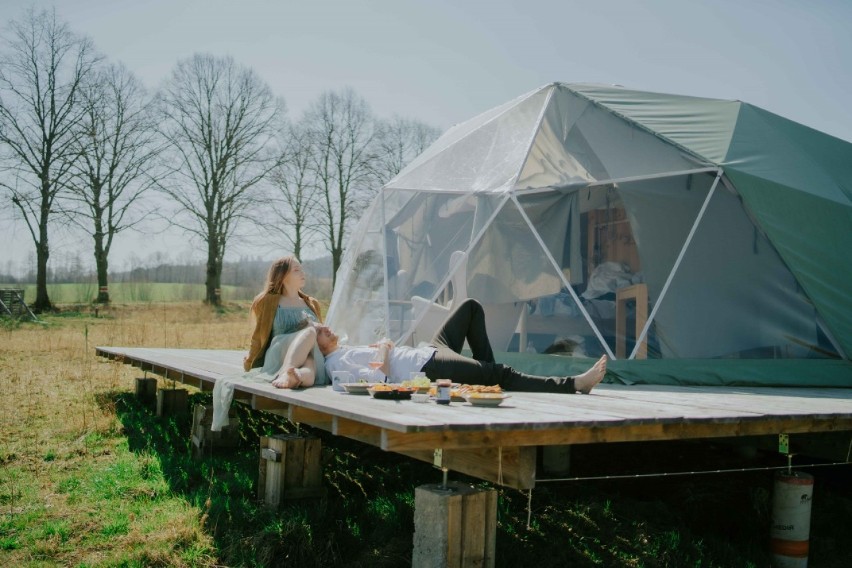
pixel 261 469
pixel 473 541
pixel 259 402
pixel 611 413
pixel 308 416
pixel 396 442
pixel 509 466
pixel 455 530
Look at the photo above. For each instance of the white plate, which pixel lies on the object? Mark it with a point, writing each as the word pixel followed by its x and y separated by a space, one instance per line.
pixel 358 388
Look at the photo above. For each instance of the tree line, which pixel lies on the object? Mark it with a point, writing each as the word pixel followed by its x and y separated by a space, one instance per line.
pixel 84 144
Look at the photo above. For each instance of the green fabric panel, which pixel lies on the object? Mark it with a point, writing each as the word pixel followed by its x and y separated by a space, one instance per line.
pixel 703 372
pixel 704 126
pixel 813 237
pixel 771 147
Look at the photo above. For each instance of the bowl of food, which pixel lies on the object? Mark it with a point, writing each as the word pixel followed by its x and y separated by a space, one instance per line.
pixel 419 384
pixel 485 398
pixel 390 392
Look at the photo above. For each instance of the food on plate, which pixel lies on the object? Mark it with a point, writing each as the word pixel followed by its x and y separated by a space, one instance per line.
pixel 392 392
pixel 459 391
pixel 418 383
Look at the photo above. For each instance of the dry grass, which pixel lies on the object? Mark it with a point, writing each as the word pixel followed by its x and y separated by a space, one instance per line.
pixel 60 431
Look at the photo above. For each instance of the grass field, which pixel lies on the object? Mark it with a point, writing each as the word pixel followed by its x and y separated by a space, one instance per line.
pixel 89 477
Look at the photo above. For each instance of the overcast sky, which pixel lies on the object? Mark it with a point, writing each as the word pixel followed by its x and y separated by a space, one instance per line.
pixel 444 61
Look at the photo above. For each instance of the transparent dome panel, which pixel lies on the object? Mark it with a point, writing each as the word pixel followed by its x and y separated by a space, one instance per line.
pixel 581 142
pixel 522 288
pixel 616 245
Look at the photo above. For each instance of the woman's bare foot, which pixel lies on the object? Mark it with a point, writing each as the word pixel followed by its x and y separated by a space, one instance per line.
pixel 290 378
pixel 587 381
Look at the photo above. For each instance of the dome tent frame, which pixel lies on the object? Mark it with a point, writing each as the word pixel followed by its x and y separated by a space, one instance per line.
pixel 540 152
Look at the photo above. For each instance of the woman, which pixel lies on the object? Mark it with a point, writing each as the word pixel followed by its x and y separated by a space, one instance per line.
pixel 283 341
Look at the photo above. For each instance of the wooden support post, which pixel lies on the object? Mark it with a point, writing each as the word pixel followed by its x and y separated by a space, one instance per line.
pixel 171 402
pixel 454 527
pixel 289 468
pixel 146 389
pixel 556 460
pixel 204 439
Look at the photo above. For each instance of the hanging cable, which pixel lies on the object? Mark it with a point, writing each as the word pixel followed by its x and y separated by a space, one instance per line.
pixel 686 473
pixel 529 508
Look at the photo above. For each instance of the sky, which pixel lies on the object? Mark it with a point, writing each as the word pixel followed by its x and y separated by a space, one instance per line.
pixel 444 61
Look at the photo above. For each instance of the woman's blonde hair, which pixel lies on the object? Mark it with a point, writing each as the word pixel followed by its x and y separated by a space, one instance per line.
pixel 275 277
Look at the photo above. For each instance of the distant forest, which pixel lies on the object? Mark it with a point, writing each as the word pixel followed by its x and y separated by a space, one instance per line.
pixel 248 273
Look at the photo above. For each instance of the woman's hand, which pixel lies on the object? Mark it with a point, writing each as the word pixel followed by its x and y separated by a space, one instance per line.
pixel 384 343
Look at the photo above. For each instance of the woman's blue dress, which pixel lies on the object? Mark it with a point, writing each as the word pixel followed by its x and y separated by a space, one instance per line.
pixel 288 321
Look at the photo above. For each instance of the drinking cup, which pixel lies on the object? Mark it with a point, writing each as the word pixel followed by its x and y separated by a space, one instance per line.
pixel 339 378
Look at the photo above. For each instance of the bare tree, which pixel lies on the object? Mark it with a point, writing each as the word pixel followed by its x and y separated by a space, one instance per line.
pixel 341 127
pixel 41 71
pixel 295 195
pixel 116 165
pixel 398 141
pixel 220 120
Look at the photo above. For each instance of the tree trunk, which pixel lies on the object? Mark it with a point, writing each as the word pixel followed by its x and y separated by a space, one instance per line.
pixel 101 264
pixel 336 255
pixel 297 242
pixel 42 302
pixel 214 273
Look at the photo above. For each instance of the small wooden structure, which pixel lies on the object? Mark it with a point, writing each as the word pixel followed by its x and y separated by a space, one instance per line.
pixel 454 525
pixel 146 389
pixel 12 304
pixel 289 468
pixel 499 444
pixel 172 402
pixel 204 439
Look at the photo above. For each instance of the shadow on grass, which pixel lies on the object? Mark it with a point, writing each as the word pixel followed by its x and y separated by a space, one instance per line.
pixel 366 519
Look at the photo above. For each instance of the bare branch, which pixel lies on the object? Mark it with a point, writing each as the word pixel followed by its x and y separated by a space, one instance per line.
pixel 43 66
pixel 220 122
pixel 117 153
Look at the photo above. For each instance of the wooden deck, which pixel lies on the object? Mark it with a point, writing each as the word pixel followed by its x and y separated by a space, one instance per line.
pixel 499 444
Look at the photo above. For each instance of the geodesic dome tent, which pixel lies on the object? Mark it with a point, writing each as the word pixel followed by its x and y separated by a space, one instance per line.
pixel 693 240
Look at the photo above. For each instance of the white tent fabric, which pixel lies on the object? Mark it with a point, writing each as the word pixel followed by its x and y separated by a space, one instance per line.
pixel 537 197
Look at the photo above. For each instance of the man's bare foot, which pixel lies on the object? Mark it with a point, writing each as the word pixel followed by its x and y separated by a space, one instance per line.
pixel 587 381
pixel 290 378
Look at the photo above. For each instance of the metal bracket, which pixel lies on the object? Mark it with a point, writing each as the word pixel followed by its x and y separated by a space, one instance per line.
pixel 783 443
pixel 438 461
pixel 270 455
